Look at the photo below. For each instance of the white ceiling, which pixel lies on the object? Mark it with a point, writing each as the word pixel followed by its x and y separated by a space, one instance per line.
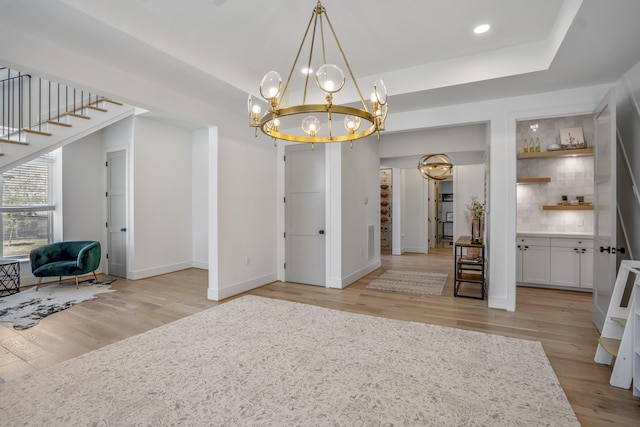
pixel 217 51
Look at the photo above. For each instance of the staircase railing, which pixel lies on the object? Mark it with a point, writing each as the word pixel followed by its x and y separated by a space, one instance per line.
pixel 12 95
pixel 30 105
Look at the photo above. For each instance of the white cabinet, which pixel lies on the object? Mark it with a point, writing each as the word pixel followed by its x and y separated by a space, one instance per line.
pixel 532 260
pixel 572 263
pixel 563 262
pixel 586 268
pixel 565 267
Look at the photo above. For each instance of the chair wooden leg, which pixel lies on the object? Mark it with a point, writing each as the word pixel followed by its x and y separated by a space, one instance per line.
pixel 76 282
pixel 94 276
pixel 39 281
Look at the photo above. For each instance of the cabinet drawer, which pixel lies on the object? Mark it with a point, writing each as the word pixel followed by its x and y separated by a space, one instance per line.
pixel 571 243
pixel 532 241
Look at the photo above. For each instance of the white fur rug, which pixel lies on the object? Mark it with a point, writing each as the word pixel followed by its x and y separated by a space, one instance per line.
pixel 26 308
pixel 262 362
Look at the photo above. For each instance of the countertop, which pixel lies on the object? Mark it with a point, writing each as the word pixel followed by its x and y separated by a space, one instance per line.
pixel 555 234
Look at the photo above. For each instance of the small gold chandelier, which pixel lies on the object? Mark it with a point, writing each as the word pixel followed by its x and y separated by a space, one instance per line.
pixel 435 166
pixel 299 123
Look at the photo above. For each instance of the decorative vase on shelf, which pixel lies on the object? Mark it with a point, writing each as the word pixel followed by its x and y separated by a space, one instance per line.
pixel 477 230
pixel 475 215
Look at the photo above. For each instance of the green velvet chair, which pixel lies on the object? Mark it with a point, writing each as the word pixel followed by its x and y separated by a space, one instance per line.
pixel 65 259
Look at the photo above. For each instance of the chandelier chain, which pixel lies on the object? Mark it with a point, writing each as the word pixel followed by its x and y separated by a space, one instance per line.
pixel 344 57
pixel 293 66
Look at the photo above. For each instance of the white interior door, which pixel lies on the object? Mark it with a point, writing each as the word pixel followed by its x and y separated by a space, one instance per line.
pixel 604 272
pixel 116 214
pixel 304 214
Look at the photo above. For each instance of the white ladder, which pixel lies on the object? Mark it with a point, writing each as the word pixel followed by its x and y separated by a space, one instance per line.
pixel 616 339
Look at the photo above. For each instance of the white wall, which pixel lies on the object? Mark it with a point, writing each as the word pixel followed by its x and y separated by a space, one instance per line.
pixel 397 229
pixel 82 190
pixel 468 182
pixel 360 201
pixel 160 230
pixel 414 211
pixel 200 197
pixel 118 136
pixel 462 138
pixel 244 237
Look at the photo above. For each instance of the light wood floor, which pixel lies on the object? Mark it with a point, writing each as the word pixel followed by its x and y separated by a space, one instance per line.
pixel 561 320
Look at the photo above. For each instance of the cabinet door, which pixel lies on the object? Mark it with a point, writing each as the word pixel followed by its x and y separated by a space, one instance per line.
pixel 535 265
pixel 518 263
pixel 586 269
pixel 565 267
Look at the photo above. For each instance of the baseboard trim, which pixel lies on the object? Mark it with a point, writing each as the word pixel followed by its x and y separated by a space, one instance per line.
pixel 500 303
pixel 217 294
pixel 418 250
pixel 204 265
pixel 346 281
pixel 157 271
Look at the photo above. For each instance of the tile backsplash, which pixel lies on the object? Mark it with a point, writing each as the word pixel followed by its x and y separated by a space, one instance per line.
pixel 570 176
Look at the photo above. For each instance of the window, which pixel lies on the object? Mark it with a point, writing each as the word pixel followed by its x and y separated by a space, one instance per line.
pixel 27 206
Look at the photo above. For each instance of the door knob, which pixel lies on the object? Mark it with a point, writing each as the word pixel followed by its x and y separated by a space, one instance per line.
pixel 321 232
pixel 123 229
pixel 607 249
pixel 619 250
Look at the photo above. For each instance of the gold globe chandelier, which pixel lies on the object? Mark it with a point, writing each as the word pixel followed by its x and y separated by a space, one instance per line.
pixel 317 123
pixel 435 166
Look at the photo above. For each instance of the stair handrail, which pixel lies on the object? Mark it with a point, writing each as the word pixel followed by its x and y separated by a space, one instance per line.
pixel 54 102
pixel 8 84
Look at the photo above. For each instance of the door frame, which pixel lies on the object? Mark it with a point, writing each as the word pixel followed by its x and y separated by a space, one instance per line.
pixel 330 163
pixel 317 237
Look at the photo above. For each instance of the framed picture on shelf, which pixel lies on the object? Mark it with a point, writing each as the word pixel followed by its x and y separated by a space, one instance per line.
pixel 572 138
pixel 447 197
pixel 448 217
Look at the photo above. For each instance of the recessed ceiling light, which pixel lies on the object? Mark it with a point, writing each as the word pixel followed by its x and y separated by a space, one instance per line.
pixel 482 28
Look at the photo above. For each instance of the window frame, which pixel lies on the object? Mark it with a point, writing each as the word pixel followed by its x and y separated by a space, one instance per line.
pixel 52 161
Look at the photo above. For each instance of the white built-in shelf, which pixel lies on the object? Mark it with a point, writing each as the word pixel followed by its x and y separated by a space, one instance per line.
pixel 556 153
pixel 533 180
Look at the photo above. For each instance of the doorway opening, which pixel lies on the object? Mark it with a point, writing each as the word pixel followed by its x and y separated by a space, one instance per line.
pixel 443 213
pixel 386 218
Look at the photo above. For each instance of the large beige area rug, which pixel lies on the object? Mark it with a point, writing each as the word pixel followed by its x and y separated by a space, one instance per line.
pixel 415 282
pixel 262 362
